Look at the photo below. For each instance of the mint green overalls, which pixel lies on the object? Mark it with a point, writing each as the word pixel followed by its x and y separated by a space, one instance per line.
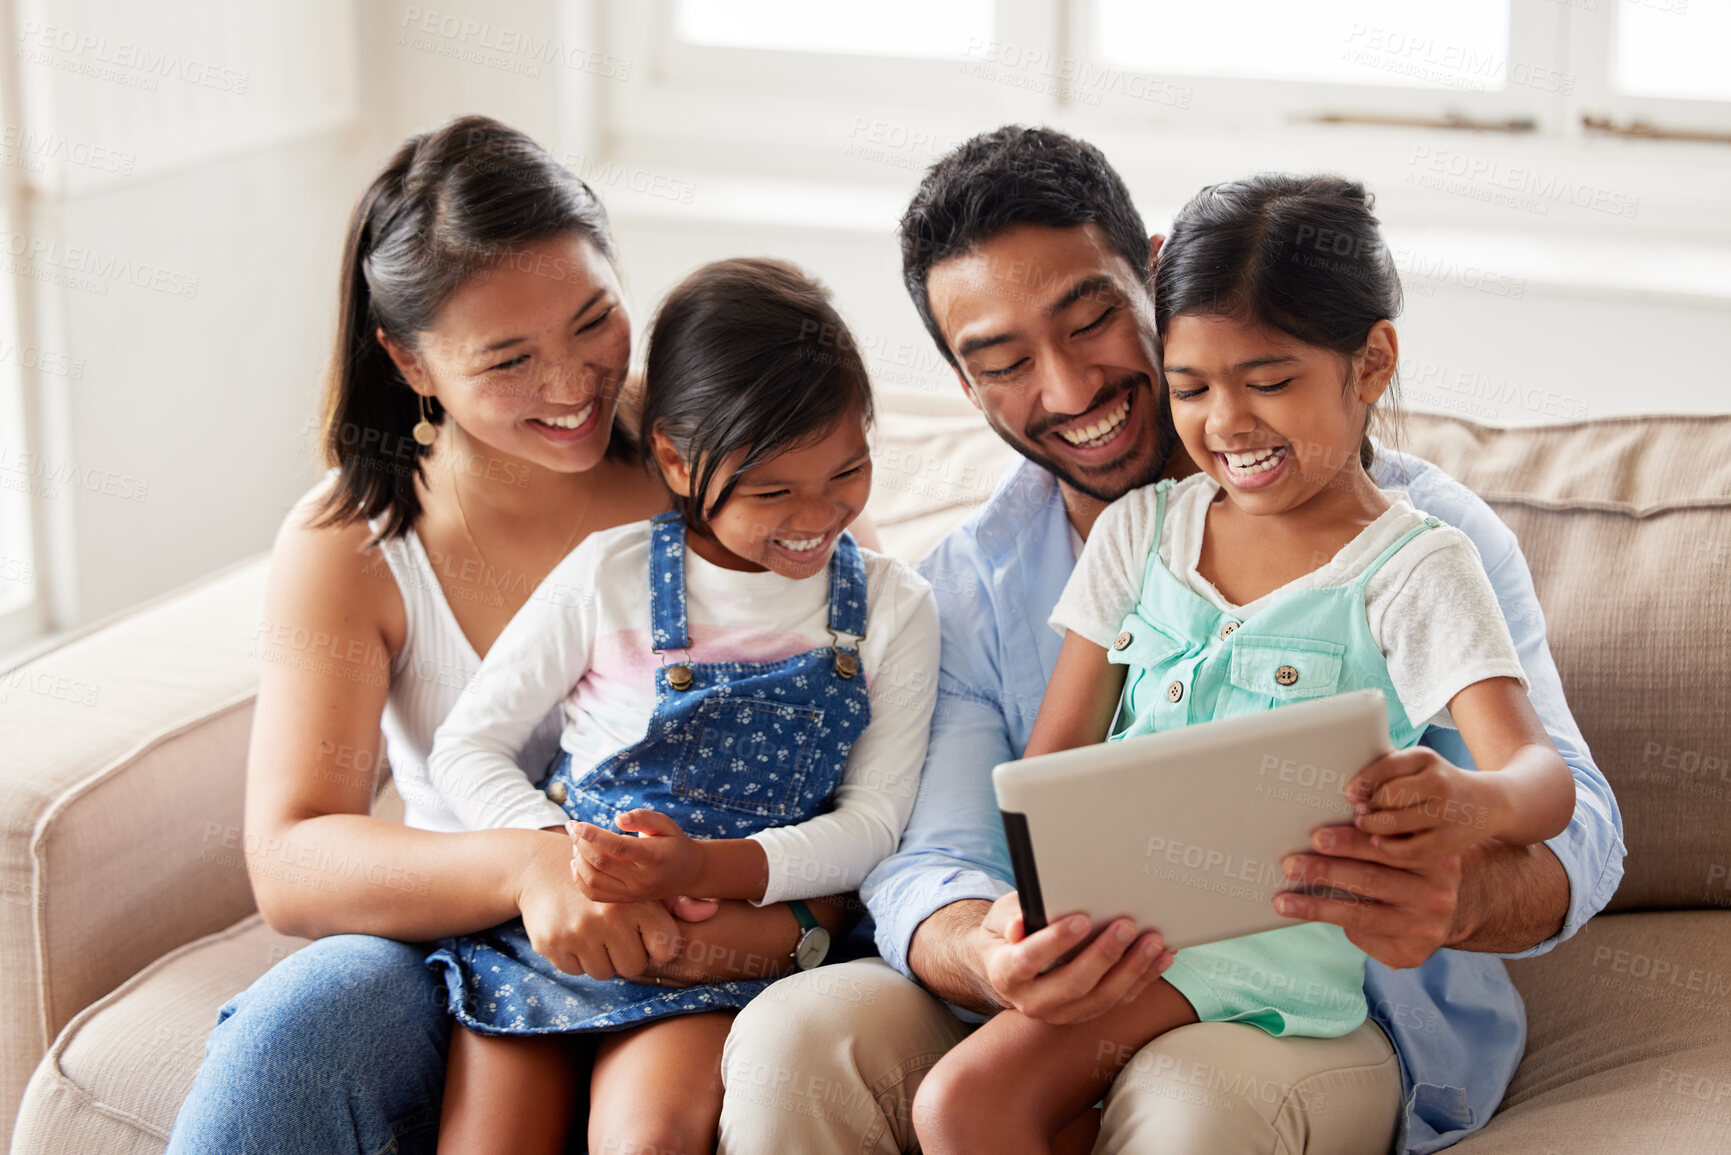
pixel 1190 662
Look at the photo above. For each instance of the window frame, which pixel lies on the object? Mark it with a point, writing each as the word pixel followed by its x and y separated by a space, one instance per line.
pixel 1246 103
pixel 703 121
pixel 1592 41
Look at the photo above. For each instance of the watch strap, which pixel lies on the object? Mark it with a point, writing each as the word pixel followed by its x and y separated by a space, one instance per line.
pixel 802 912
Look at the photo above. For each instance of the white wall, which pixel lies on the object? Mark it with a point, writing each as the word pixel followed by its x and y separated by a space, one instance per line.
pixel 182 226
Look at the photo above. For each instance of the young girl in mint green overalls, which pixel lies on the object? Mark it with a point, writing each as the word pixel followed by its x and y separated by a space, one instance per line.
pixel 1277 572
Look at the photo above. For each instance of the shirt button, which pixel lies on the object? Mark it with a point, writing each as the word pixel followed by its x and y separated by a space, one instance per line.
pixel 1122 641
pixel 1227 630
pixel 1286 675
pixel 556 793
pixel 1175 691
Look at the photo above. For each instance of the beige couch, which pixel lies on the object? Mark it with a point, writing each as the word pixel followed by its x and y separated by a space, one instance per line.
pixel 127 918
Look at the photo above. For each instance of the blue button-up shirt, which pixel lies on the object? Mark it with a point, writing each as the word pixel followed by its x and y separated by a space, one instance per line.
pixel 1457 1021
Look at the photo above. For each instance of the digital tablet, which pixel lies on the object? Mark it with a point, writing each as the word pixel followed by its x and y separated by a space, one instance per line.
pixel 1184 831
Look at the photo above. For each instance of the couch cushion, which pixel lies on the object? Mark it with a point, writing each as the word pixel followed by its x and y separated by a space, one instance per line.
pixel 1626 524
pixel 114 1079
pixel 933 460
pixel 123 764
pixel 1626 1045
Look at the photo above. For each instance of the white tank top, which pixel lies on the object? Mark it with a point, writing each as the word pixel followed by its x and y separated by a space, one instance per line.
pixel 435 665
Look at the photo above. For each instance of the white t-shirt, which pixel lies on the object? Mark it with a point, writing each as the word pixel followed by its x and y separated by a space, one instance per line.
pixel 1432 610
pixel 582 642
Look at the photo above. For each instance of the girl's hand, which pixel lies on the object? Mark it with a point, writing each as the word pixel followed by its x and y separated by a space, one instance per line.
pixel 1416 804
pixel 662 862
pixel 581 936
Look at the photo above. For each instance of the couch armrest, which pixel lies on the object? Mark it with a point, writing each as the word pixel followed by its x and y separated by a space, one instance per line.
pixel 121 779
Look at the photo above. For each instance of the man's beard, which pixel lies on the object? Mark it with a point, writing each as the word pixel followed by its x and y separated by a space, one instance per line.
pixel 1144 463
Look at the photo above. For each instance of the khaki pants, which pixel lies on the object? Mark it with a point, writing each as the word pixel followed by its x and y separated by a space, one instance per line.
pixel 827 1063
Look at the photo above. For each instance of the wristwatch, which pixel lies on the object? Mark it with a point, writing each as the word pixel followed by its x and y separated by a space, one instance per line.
pixel 813 945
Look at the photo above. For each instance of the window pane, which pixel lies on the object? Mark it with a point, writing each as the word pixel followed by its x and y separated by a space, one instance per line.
pixel 1673 49
pixel 1461 45
pixel 938 29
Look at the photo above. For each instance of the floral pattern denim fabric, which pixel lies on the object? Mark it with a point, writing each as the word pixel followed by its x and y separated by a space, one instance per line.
pixel 745 746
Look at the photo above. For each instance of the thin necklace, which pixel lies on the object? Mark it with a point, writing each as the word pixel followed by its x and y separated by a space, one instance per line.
pixel 487 566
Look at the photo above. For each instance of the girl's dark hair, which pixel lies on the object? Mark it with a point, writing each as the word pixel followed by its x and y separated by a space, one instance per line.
pixel 1300 254
pixel 746 357
pixel 450 203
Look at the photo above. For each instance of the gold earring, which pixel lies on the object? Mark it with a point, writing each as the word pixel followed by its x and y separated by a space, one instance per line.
pixel 424 431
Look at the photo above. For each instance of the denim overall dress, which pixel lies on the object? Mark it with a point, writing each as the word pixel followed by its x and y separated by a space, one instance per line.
pixel 731 748
pixel 1191 662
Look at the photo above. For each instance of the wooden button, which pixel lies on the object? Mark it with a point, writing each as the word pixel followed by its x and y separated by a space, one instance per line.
pixel 679 677
pixel 1122 641
pixel 846 664
pixel 1227 630
pixel 1175 691
pixel 1286 675
pixel 556 793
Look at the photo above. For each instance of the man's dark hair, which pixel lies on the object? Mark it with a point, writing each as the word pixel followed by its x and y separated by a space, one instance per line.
pixel 1012 176
pixel 747 359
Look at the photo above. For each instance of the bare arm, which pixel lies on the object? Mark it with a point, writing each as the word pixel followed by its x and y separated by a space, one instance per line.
pixel 945 954
pixel 743 941
pixel 1416 804
pixel 1080 700
pixel 1511 898
pixel 320 863
pixel 975 953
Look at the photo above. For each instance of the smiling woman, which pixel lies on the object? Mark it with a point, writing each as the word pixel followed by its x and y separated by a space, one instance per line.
pixel 470 424
pixel 478 262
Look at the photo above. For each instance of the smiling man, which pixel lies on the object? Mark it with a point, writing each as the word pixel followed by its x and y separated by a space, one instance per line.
pixel 1031 270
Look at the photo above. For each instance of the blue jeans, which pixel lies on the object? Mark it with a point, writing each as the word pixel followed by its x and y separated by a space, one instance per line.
pixel 339 1048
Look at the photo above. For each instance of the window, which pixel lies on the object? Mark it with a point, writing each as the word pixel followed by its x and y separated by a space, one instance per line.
pixel 1657 67
pixel 934 29
pixel 1505 91
pixel 1399 43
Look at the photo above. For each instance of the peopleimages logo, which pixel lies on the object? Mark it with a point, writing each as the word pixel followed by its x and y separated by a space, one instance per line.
pixel 82 267
pixel 1514 186
pixel 138 65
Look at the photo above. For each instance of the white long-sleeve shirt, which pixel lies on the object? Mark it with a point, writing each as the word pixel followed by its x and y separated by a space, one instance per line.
pixel 582 643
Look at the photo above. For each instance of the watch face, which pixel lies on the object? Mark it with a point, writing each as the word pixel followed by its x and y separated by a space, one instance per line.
pixel 813 948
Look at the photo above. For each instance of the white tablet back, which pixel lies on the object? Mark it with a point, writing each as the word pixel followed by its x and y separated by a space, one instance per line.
pixel 1184 831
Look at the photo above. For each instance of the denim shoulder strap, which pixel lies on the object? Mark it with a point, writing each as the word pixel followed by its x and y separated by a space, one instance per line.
pixel 667 583
pixel 847 588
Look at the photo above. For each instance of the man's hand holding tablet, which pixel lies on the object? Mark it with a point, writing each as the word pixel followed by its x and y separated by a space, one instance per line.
pixel 1188 831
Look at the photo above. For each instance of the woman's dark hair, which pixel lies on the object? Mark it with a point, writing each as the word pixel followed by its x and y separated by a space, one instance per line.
pixel 1303 255
pixel 1011 176
pixel 450 203
pixel 747 358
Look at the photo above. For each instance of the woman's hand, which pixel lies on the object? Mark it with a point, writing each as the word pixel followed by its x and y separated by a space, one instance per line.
pixel 581 936
pixel 1415 804
pixel 662 862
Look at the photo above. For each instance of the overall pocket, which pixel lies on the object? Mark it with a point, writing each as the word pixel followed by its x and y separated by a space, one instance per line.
pixel 1285 669
pixel 750 755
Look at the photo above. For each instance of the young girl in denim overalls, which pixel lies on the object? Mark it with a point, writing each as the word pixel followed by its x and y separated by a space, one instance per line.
pixel 745 694
pixel 1277 573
